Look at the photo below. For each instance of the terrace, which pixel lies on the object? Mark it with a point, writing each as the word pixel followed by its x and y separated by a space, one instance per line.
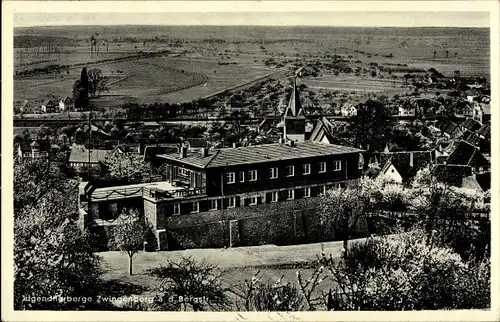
pixel 153 190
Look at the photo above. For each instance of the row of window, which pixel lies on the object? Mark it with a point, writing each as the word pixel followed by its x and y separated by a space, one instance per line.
pixel 252 201
pixel 273 172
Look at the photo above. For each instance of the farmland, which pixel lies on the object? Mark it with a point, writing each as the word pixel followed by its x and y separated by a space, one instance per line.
pixel 213 59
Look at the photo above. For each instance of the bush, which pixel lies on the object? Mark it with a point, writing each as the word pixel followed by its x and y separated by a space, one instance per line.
pixel 406 272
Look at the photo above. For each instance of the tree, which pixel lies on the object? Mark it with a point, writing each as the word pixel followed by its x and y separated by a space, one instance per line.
pixel 97 82
pixel 236 130
pixel 190 283
pixel 435 54
pixel 131 233
pixel 404 272
pixel 446 53
pixel 80 96
pixel 52 255
pixel 84 79
pixel 343 210
pixel 370 126
pixel 127 165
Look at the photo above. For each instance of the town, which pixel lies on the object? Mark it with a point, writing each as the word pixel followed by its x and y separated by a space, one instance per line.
pixel 136 151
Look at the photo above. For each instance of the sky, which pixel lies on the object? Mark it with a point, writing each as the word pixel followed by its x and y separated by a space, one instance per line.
pixel 332 18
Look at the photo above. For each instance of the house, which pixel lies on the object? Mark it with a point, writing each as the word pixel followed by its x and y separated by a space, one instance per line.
pixel 48 106
pixel 470 124
pixel 196 144
pixel 230 182
pixel 479 182
pixel 466 154
pixel 451 174
pixel 448 128
pixel 322 132
pixel 29 107
pixel 80 158
pixel 402 167
pixel 406 110
pixel 482 112
pixel 66 104
pixel 263 173
pixel 348 110
pixel 37 149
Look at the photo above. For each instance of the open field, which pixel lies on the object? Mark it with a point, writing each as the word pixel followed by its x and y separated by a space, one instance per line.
pixel 353 83
pixel 237 264
pixel 156 79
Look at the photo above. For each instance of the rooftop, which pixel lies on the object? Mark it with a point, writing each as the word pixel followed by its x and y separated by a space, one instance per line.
pixel 259 154
pixel 79 155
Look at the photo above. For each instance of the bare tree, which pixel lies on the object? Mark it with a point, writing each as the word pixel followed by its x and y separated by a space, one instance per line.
pixel 131 233
pixel 97 82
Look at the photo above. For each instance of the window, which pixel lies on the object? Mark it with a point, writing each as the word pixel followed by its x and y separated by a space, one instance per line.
pixel 253 201
pixel 177 209
pixel 232 202
pixel 322 190
pixel 230 177
pixel 361 162
pixel 290 171
pixel 213 204
pixel 337 186
pixel 252 175
pixel 273 173
pixel 307 192
pixel 183 171
pixel 322 167
pixel 196 206
pixel 274 196
pixel 291 194
pixel 242 176
pixel 337 165
pixel 306 169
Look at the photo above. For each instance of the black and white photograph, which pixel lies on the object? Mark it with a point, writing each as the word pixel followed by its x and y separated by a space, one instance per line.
pixel 242 159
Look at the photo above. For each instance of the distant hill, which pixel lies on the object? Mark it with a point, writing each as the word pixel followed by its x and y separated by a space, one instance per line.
pixel 29 41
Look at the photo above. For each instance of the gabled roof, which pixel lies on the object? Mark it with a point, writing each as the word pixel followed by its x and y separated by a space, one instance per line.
pixel 451 174
pixel 321 129
pixel 294 107
pixel 471 137
pixel 259 154
pixel 447 126
pixel 402 161
pixel 79 155
pixel 43 145
pixel 47 101
pixel 465 154
pixel 198 143
pixel 484 180
pixel 471 124
pixel 485 131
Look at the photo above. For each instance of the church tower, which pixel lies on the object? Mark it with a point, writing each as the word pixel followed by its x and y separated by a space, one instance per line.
pixel 294 120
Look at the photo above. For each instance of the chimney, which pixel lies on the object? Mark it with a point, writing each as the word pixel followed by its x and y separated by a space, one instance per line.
pixel 280 141
pixel 204 152
pixel 183 152
pixel 411 159
pixel 234 144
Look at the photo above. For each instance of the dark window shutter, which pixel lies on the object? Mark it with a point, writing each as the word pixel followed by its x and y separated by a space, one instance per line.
pixel 246 201
pixel 237 201
pixel 259 200
pixel 225 202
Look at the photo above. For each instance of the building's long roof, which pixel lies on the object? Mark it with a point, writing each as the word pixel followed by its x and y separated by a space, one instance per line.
pixel 82 155
pixel 259 154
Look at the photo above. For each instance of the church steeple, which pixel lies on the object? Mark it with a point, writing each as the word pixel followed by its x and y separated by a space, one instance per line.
pixel 294 107
pixel 294 121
